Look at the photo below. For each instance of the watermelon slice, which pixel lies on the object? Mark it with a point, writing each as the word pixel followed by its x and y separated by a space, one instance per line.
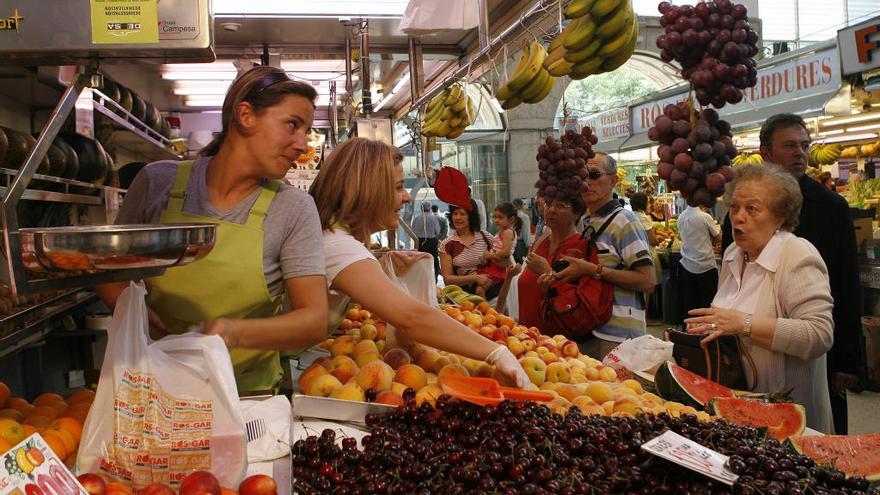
pixel 782 420
pixel 855 455
pixel 678 384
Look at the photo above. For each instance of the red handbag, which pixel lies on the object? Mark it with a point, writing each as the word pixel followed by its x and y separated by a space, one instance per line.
pixel 575 308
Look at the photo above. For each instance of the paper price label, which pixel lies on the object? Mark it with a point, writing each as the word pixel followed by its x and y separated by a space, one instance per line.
pixel 678 449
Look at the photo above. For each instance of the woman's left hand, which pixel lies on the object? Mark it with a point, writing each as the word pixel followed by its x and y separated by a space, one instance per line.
pixel 545 281
pixel 404 260
pixel 226 329
pixel 715 322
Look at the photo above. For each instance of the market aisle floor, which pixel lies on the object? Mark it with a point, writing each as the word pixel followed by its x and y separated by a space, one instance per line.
pixel 862 407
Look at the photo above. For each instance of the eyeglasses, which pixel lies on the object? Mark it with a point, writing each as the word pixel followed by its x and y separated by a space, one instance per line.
pixel 559 205
pixel 595 174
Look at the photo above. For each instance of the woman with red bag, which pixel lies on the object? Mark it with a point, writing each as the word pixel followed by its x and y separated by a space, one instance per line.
pixel 560 216
pixel 462 254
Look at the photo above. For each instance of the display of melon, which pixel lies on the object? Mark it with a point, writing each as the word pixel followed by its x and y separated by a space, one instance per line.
pixel 57 160
pixel 125 100
pixel 855 455
pixel 92 158
pixel 71 162
pixel 4 146
pixel 138 106
pixel 676 383
pixel 20 145
pixel 782 420
pixel 111 89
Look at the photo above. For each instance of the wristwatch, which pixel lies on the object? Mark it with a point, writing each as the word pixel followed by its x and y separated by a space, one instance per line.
pixel 598 274
pixel 747 325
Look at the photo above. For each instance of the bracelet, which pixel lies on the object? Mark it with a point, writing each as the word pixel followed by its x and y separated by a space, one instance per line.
pixel 747 325
pixel 598 274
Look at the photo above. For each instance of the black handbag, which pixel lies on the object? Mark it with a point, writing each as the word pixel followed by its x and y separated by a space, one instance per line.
pixel 721 360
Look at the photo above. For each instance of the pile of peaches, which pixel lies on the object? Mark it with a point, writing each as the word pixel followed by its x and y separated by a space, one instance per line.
pixel 361 368
pixel 195 483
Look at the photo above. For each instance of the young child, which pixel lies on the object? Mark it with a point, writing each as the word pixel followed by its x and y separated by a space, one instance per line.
pixel 501 255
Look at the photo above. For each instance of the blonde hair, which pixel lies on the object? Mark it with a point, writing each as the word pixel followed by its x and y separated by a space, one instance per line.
pixel 356 186
pixel 262 87
pixel 785 201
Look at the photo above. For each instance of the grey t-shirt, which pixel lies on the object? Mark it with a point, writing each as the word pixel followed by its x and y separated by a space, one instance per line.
pixel 292 238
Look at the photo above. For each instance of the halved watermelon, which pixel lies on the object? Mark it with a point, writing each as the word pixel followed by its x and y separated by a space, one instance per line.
pixel 676 383
pixel 855 455
pixel 782 420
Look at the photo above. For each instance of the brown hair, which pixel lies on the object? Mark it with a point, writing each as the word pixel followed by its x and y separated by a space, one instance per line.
pixel 262 87
pixel 356 186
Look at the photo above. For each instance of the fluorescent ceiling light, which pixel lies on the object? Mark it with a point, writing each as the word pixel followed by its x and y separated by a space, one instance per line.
pixel 217 101
pixel 831 133
pixel 850 137
pixel 346 8
pixel 848 120
pixel 200 76
pixel 863 128
pixel 397 87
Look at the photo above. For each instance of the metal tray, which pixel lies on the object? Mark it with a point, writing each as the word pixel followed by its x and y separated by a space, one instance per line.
pixel 339 410
pixel 115 247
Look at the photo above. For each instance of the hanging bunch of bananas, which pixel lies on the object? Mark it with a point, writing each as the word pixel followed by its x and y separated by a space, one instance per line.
pixel 530 82
pixel 747 158
pixel 824 154
pixel 600 37
pixel 449 113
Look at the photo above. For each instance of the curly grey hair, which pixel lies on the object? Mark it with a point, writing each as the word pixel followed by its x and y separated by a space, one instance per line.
pixel 785 200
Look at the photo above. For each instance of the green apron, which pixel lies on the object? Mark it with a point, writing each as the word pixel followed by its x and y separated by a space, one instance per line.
pixel 227 283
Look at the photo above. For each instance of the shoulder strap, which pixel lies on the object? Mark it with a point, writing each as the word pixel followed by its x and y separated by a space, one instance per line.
pixel 261 206
pixel 178 190
pixel 486 240
pixel 603 227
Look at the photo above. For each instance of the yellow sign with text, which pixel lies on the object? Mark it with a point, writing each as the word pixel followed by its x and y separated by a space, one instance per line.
pixel 124 21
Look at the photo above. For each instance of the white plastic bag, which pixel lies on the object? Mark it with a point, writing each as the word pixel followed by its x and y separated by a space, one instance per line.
pixel 418 281
pixel 268 425
pixel 163 409
pixel 643 353
pixel 430 16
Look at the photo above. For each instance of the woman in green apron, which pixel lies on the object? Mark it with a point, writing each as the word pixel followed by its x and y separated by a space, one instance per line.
pixel 358 192
pixel 268 235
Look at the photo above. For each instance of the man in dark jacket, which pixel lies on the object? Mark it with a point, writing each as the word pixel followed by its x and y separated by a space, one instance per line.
pixel 825 221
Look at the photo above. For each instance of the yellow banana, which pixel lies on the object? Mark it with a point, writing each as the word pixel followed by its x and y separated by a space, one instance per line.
pixel 587 68
pixel 437 100
pixel 548 87
pixel 604 7
pixel 447 113
pixel 435 113
pixel 613 62
pixel 511 103
pixel 455 94
pixel 577 8
pixel 460 105
pixel 520 79
pixel 616 21
pixel 476 299
pixel 535 87
pixel 553 56
pixel 578 56
pixel 505 92
pixel 560 68
pixel 616 45
pixel 455 133
pixel 581 36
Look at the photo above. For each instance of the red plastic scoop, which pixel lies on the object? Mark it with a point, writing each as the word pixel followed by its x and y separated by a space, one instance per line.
pixel 486 391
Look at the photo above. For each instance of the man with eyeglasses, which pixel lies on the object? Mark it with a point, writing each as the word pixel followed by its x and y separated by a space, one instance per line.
pixel 825 221
pixel 624 259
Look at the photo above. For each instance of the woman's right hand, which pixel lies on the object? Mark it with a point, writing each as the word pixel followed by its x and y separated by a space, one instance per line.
pixel 507 364
pixel 537 263
pixel 482 280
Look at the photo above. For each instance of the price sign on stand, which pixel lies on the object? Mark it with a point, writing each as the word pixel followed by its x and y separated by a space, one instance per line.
pixel 678 449
pixel 31 468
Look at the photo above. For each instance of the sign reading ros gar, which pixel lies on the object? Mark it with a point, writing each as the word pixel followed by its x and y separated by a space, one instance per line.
pixel 613 124
pixel 780 84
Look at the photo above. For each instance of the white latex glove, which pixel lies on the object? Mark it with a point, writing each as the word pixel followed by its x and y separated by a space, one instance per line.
pixel 508 365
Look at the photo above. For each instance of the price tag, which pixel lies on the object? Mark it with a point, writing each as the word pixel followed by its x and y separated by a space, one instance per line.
pixel 678 449
pixel 31 468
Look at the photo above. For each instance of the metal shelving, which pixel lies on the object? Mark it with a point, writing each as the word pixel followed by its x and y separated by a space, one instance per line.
pixel 132 134
pixel 33 323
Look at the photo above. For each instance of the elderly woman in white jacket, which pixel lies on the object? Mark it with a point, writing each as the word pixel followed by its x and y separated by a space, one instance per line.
pixel 773 292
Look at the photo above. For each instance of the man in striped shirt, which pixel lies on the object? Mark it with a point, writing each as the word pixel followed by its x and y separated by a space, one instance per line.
pixel 624 259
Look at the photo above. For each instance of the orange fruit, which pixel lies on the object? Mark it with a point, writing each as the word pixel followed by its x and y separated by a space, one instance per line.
pixel 11 431
pixel 59 407
pixel 38 422
pixel 12 413
pixel 19 404
pixel 78 406
pixel 5 394
pixel 72 425
pixel 28 429
pixel 70 441
pixel 43 411
pixel 4 446
pixel 47 398
pixel 81 395
pixel 56 443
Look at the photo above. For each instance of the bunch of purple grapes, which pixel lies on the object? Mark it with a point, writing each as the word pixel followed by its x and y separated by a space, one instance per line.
pixel 563 163
pixel 695 152
pixel 715 46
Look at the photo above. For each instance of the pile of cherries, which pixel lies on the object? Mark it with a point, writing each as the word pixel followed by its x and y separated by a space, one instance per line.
pixel 695 152
pixel 715 46
pixel 562 164
pixel 523 448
